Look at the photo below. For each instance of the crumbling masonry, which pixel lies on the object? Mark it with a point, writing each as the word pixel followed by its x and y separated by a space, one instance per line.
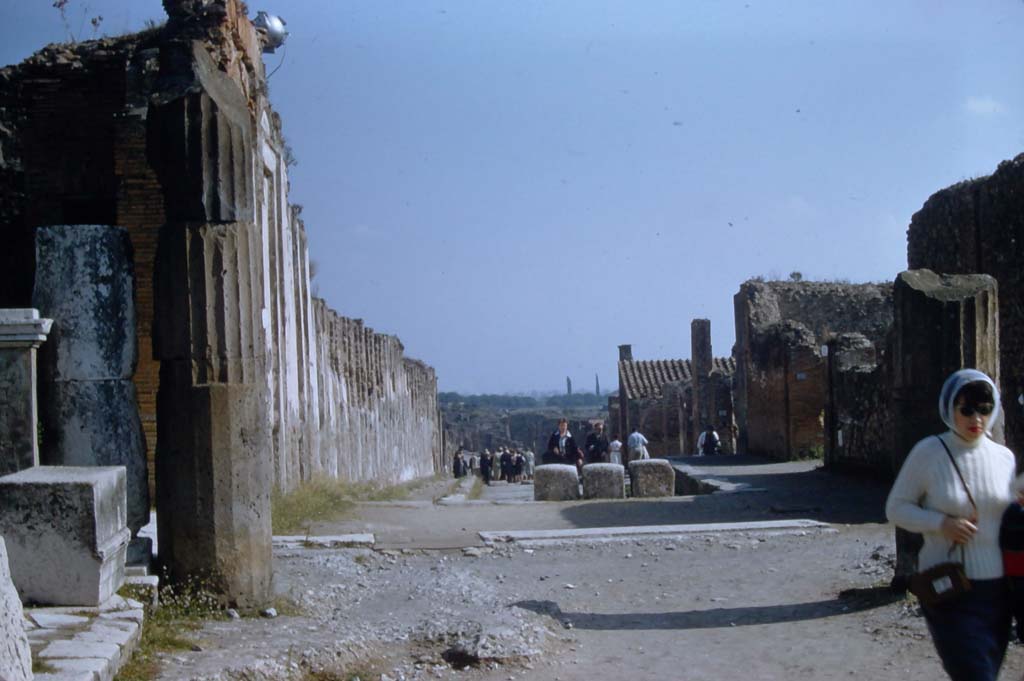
pixel 244 380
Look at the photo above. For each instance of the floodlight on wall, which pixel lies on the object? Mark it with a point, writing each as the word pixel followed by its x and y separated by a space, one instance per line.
pixel 273 30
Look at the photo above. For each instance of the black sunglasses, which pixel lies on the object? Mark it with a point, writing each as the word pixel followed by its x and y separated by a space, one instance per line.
pixel 983 409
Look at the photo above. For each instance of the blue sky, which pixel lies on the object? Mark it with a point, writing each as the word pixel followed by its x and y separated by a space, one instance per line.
pixel 516 188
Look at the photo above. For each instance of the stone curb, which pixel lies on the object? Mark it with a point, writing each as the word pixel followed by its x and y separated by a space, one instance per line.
pixel 88 644
pixel 336 541
pixel 506 536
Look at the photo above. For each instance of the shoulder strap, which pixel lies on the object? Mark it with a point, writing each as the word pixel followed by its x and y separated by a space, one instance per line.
pixel 957 469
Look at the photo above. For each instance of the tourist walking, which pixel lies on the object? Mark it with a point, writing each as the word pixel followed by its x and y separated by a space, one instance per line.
pixel 518 463
pixel 562 447
pixel 953 489
pixel 486 466
pixel 530 462
pixel 636 447
pixel 459 465
pixel 596 445
pixel 506 465
pixel 615 451
pixel 707 443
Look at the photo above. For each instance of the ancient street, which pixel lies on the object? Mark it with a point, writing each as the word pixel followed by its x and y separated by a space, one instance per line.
pixel 784 604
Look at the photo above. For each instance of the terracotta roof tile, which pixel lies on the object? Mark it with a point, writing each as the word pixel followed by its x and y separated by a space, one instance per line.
pixel 645 378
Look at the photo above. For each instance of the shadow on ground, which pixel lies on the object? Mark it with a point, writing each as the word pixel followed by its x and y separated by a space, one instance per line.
pixel 784 491
pixel 849 602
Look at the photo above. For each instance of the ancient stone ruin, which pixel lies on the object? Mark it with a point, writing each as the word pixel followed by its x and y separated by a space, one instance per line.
pixel 781 377
pixel 159 154
pixel 658 397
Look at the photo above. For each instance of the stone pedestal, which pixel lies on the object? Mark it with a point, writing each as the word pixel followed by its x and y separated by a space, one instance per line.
pixel 15 655
pixel 66 533
pixel 652 478
pixel 89 411
pixel 556 482
pixel 604 481
pixel 21 333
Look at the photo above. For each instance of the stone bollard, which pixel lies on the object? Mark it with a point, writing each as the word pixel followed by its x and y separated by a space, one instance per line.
pixel 604 481
pixel 556 482
pixel 652 478
pixel 21 333
pixel 15 655
pixel 88 405
pixel 66 533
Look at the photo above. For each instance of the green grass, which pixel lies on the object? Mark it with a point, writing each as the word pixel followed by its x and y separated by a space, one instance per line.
pixel 478 489
pixel 40 666
pixel 327 499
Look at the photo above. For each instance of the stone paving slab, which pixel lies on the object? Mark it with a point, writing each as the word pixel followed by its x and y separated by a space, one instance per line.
pixel 334 541
pixel 98 669
pixel 66 676
pixel 601 532
pixel 52 620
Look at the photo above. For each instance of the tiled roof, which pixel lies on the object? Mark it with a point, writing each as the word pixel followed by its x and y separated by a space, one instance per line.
pixel 724 365
pixel 645 378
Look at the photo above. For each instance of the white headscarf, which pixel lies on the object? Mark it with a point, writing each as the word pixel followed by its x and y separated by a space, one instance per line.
pixel 952 386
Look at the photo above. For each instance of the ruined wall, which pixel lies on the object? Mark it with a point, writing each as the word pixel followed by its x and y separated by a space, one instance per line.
pixel 780 380
pixel 108 131
pixel 378 416
pixel 859 429
pixel 978 226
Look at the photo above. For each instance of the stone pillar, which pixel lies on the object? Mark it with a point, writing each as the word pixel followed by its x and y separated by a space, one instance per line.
pixel 15 655
pixel 21 333
pixel 214 460
pixel 89 411
pixel 700 369
pixel 942 323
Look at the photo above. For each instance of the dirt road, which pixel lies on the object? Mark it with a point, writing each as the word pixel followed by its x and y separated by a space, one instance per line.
pixel 805 604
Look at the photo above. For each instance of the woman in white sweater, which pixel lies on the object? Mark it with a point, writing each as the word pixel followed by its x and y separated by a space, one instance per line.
pixel 928 497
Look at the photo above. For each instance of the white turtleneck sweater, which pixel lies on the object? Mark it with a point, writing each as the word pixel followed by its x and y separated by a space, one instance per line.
pixel 928 489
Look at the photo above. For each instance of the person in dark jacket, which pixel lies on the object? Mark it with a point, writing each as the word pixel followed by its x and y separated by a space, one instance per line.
pixel 506 465
pixel 459 465
pixel 486 464
pixel 562 447
pixel 596 445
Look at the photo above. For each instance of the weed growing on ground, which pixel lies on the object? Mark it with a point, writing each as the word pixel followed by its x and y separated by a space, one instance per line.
pixel 183 608
pixel 478 489
pixel 326 499
pixel 40 666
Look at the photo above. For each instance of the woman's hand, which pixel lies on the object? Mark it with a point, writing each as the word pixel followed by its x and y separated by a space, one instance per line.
pixel 958 530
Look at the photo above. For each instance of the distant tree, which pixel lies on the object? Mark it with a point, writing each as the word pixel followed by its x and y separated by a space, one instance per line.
pixel 796 276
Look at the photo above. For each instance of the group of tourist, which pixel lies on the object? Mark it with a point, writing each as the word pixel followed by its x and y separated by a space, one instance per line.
pixel 510 464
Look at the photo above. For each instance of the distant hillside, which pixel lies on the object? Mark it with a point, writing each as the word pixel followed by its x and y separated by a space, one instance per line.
pixel 521 401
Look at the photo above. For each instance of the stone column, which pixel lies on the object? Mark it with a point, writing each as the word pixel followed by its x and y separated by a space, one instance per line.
pixel 21 334
pixel 89 411
pixel 942 323
pixel 700 368
pixel 214 466
pixel 15 655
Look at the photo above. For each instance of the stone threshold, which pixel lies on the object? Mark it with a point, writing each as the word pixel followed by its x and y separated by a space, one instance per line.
pixel 588 533
pixel 84 643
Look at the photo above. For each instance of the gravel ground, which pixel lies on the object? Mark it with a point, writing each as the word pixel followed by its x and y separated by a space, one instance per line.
pixel 807 604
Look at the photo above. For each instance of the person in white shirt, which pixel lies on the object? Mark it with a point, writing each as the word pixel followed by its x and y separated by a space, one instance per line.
pixel 929 497
pixel 708 441
pixel 615 451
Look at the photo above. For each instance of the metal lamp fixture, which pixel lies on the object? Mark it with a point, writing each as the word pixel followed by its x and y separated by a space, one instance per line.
pixel 273 29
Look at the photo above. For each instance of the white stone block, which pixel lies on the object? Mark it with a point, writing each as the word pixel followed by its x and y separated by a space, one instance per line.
pixel 99 669
pixel 132 615
pixel 604 481
pixel 15 653
pixel 556 482
pixel 652 478
pixel 77 650
pixel 57 620
pixel 66 532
